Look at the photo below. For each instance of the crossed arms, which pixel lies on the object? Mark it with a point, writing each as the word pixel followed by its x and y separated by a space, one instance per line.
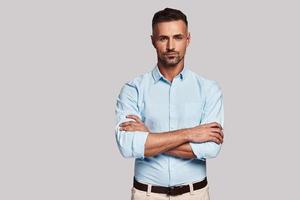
pixel 200 142
pixel 175 143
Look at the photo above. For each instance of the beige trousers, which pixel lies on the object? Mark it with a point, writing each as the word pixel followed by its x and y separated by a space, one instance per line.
pixel 201 194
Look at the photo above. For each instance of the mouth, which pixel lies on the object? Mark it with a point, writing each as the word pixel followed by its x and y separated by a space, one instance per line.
pixel 171 54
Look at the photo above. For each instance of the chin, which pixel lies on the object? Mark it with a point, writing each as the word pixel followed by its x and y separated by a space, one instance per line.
pixel 171 64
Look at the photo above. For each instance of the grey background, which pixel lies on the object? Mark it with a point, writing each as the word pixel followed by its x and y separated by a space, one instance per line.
pixel 63 64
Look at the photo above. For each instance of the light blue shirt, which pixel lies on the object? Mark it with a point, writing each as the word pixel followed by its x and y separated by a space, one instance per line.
pixel 189 100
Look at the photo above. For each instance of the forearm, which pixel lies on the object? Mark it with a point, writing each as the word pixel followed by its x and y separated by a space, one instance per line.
pixel 158 143
pixel 182 151
pixel 178 143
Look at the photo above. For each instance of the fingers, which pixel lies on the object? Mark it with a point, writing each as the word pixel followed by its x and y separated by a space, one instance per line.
pixel 216 140
pixel 215 124
pixel 136 125
pixel 134 117
pixel 130 128
pixel 217 130
pixel 217 137
pixel 130 123
pixel 214 137
pixel 133 126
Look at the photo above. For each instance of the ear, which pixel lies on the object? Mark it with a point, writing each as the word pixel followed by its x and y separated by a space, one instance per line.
pixel 153 41
pixel 188 38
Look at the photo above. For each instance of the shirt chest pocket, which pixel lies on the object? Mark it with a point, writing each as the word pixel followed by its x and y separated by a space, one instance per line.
pixel 193 113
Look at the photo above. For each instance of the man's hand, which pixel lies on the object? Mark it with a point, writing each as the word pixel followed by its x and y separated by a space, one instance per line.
pixel 211 132
pixel 136 125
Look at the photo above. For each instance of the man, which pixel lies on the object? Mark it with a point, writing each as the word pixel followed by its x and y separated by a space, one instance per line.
pixel 170 119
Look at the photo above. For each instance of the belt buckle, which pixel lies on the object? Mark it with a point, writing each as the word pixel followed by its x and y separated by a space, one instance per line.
pixel 172 190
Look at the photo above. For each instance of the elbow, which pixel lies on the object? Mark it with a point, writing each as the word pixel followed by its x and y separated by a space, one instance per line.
pixel 213 151
pixel 125 153
pixel 123 146
pixel 128 152
pixel 131 145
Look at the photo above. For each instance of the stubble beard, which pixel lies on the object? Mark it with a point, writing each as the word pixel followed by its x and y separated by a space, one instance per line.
pixel 170 62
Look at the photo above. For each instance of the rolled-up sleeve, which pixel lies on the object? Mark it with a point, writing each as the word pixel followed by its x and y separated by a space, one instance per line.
pixel 130 143
pixel 213 112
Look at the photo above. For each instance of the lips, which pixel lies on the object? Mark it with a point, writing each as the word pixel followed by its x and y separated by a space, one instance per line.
pixel 171 54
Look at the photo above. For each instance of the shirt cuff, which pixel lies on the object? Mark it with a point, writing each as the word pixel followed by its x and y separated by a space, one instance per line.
pixel 138 144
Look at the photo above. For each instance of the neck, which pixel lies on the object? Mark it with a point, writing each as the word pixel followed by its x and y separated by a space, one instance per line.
pixel 169 72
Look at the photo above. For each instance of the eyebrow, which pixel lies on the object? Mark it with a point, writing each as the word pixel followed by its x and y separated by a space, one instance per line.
pixel 176 35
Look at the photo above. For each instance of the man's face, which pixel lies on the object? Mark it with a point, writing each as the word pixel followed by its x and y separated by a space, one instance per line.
pixel 170 40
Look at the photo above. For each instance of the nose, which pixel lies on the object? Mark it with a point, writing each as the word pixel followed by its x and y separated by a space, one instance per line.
pixel 170 45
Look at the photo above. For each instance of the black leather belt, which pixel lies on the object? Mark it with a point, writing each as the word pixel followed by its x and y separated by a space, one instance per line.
pixel 173 191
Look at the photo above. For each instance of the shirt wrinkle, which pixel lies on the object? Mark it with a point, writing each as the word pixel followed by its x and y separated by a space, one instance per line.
pixel 190 100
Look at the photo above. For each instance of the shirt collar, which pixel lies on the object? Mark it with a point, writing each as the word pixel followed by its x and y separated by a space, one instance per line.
pixel 157 75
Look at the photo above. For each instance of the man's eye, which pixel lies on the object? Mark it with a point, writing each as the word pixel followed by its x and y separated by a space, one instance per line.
pixel 178 38
pixel 162 39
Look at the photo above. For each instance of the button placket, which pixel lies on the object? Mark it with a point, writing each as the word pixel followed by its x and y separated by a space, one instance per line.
pixel 172 106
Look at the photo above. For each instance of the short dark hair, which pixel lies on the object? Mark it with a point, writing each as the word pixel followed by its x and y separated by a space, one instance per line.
pixel 167 15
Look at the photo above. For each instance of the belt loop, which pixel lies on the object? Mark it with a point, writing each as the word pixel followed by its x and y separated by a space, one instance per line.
pixel 191 188
pixel 149 190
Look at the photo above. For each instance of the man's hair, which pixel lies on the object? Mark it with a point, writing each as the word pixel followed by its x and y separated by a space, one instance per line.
pixel 167 15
